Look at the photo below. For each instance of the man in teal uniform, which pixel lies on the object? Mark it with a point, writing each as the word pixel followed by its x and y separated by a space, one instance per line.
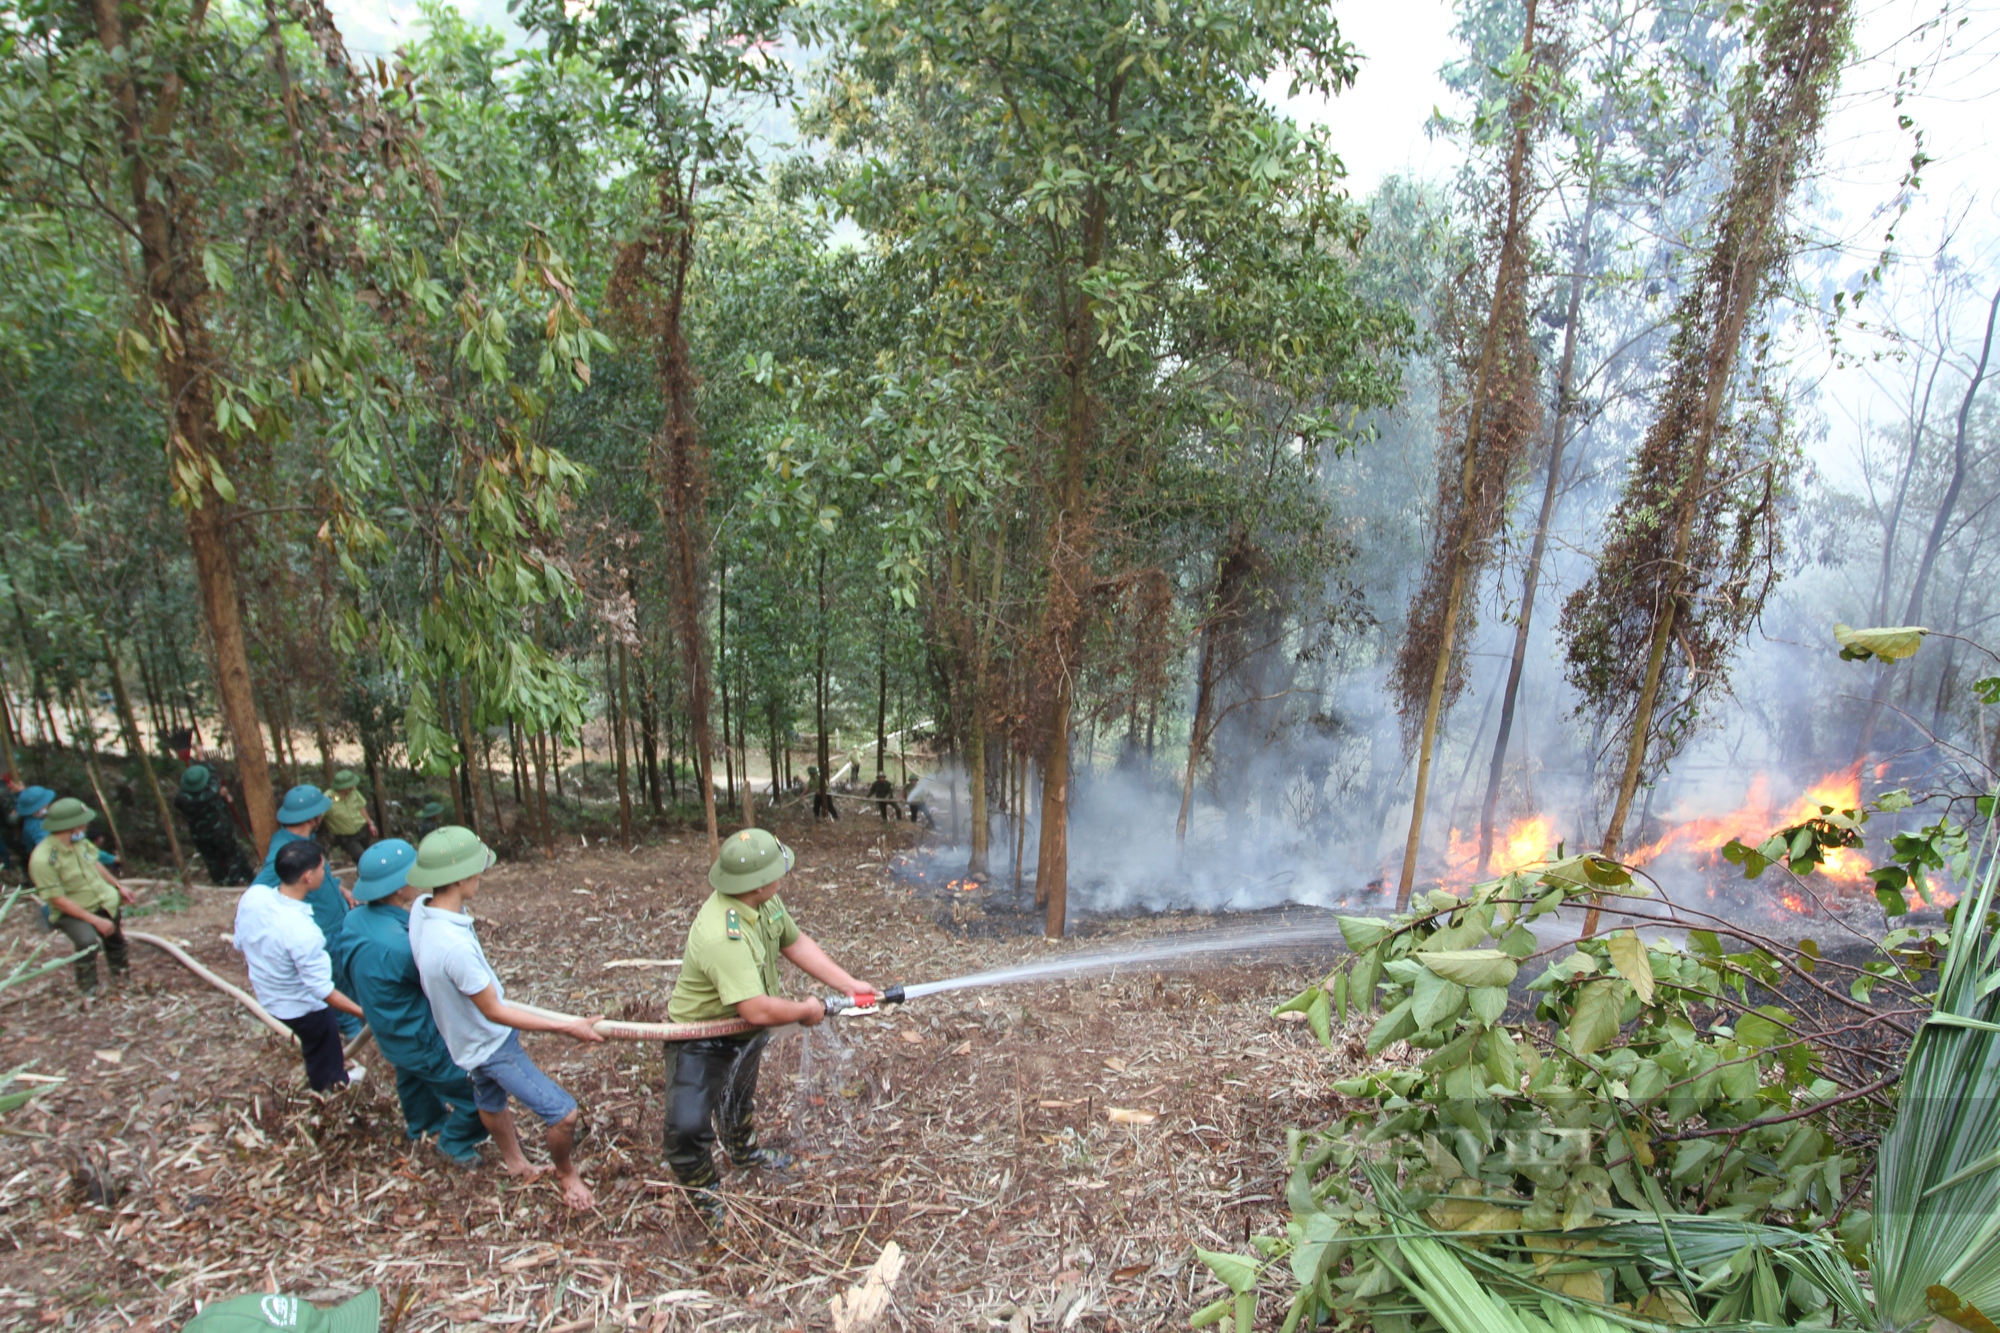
pixel 729 969
pixel 373 964
pixel 298 817
pixel 31 805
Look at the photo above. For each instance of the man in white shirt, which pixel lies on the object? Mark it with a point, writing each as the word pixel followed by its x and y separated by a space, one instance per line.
pixel 479 1027
pixel 289 967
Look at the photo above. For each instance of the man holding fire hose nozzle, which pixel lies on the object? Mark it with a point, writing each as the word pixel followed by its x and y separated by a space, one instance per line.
pixel 729 969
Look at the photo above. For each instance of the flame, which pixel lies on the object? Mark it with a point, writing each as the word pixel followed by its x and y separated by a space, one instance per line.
pixel 1524 842
pixel 1758 816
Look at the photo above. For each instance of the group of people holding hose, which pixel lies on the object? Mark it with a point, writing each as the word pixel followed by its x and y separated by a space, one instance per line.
pixel 399 950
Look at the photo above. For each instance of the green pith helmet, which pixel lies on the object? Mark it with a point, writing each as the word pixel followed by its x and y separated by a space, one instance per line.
pixel 195 780
pixel 749 860
pixel 449 855
pixel 66 814
pixel 430 811
pixel 346 780
pixel 259 1314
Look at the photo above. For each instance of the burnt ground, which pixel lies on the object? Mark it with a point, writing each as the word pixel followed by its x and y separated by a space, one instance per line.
pixel 179 1158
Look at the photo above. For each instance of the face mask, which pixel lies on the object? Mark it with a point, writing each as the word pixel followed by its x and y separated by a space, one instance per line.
pixel 77 836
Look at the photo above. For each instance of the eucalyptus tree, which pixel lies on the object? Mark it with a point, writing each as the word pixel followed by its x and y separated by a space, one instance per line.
pixel 687 81
pixel 154 121
pixel 1691 548
pixel 1109 211
pixel 1492 411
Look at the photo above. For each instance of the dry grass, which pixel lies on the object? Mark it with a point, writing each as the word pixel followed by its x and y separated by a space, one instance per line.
pixel 181 1160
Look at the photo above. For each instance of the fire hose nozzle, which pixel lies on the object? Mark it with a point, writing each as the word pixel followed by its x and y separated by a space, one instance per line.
pixel 862 1001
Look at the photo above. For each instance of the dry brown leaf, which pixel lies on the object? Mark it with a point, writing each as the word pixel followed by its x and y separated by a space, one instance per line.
pixel 1115 1065
pixel 912 1036
pixel 963 1048
pixel 1047 1105
pixel 1119 1115
pixel 110 1057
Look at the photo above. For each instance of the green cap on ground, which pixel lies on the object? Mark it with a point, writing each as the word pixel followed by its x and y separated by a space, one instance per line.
pixel 449 855
pixel 346 780
pixel 750 859
pixel 66 814
pixel 195 779
pixel 260 1313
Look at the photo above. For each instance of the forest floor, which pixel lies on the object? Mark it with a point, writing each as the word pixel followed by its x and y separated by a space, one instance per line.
pixel 180 1159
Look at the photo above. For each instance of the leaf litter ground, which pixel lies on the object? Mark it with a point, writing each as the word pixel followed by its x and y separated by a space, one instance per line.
pixel 1044 1156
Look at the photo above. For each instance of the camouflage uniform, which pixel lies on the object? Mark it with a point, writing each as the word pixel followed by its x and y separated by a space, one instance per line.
pixel 214 833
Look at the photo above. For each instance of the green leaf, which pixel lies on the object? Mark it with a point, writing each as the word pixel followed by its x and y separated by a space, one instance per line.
pixel 1487 1003
pixel 1362 932
pixel 1766 1026
pixel 1888 645
pixel 1628 959
pixel 1594 1022
pixel 1234 1271
pixel 1472 967
pixel 1434 1000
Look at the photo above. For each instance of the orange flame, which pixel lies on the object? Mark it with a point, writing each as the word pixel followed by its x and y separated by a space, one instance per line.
pixel 1524 842
pixel 1702 838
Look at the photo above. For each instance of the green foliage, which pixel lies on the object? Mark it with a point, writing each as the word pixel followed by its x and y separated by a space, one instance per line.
pixel 1652 1080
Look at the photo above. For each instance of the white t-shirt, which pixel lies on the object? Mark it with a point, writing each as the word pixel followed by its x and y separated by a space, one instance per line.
pixel 453 969
pixel 286 952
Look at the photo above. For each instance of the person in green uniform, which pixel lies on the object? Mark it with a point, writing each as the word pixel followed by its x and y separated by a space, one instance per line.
pixel 79 897
pixel 429 819
pixel 201 802
pixel 729 969
pixel 372 962
pixel 347 823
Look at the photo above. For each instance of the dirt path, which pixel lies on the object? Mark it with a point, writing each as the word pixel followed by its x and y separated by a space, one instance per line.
pixel 180 1160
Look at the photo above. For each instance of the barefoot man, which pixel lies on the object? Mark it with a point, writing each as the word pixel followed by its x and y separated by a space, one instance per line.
pixel 479 1027
pixel 730 970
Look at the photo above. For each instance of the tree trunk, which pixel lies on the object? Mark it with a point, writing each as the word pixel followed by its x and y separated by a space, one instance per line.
pixel 749 802
pixel 373 762
pixel 1510 272
pixel 325 743
pixel 683 486
pixel 130 723
pixel 466 782
pixel 1433 708
pixel 1934 543
pixel 819 693
pixel 89 730
pixel 624 792
pixel 1551 491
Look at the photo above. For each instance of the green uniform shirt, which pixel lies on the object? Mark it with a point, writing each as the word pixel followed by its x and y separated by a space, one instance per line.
pixel 731 956
pixel 349 814
pixel 64 869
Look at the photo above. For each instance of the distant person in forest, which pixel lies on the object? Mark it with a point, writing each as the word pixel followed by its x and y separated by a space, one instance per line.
pixel 429 819
pixel 884 792
pixel 919 806
pixel 14 849
pixel 329 902
pixel 822 800
pixel 373 963
pixel 729 969
pixel 483 1031
pixel 203 803
pixel 347 821
pixel 80 899
pixel 289 966
pixel 30 804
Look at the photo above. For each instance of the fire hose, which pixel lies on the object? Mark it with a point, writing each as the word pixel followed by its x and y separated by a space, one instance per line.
pixel 611 1029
